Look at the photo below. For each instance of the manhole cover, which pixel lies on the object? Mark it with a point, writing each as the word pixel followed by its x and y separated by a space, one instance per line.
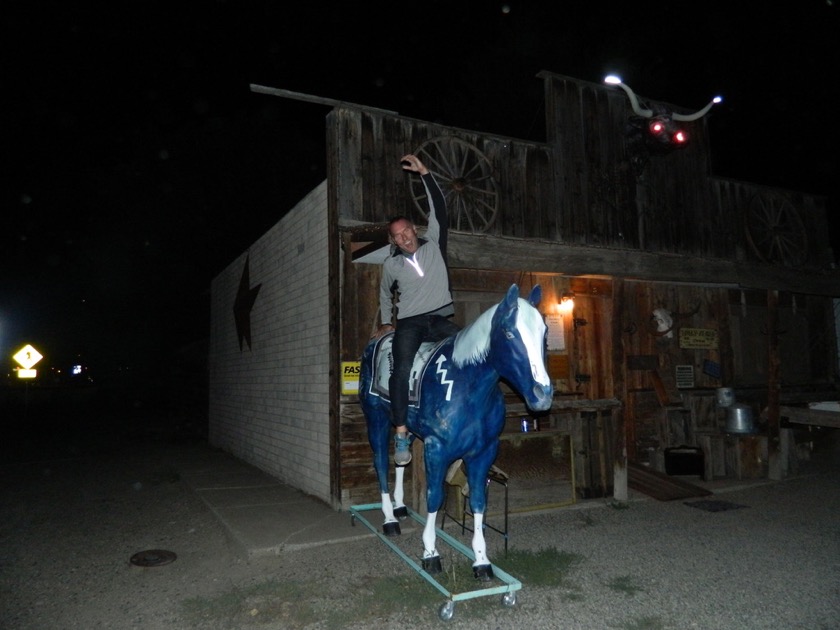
pixel 153 558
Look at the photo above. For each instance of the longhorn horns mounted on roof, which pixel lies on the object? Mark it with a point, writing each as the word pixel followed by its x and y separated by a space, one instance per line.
pixel 649 113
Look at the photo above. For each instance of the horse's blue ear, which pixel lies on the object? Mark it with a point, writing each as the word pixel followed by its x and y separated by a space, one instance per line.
pixel 536 295
pixel 512 294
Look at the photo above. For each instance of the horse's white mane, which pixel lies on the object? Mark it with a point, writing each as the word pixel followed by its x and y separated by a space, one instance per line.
pixel 473 342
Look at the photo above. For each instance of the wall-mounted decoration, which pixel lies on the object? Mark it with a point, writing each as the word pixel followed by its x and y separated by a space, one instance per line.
pixel 699 338
pixel 663 321
pixel 657 126
pixel 465 176
pixel 711 368
pixel 684 375
pixel 556 334
pixel 350 371
pixel 242 305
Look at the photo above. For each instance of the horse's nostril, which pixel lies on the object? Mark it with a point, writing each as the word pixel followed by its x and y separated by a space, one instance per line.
pixel 543 395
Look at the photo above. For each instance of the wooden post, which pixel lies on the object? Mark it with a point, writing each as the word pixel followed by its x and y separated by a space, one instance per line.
pixel 775 469
pixel 621 423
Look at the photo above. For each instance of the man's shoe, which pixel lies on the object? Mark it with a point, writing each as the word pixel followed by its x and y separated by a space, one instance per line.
pixel 402 450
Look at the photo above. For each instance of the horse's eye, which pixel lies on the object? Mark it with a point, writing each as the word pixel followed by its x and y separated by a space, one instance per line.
pixel 509 334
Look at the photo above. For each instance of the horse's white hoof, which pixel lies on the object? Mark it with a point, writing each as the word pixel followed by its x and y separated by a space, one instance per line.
pixel 391 529
pixel 432 565
pixel 483 572
pixel 401 512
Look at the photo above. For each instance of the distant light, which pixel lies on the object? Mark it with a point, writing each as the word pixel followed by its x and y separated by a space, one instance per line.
pixel 505 9
pixel 612 79
pixel 77 369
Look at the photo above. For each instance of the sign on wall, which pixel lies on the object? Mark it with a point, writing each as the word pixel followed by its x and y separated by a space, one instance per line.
pixel 350 371
pixel 556 337
pixel 699 338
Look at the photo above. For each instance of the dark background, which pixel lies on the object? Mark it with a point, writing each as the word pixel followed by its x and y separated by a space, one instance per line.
pixel 140 164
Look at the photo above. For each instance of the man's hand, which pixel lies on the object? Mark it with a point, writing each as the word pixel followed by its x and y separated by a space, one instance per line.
pixel 412 163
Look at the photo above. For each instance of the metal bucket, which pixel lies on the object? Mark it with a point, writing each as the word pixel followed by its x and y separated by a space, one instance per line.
pixel 725 396
pixel 739 419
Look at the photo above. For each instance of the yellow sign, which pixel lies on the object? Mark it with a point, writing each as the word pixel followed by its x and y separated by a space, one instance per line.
pixel 27 373
pixel 350 371
pixel 699 338
pixel 27 357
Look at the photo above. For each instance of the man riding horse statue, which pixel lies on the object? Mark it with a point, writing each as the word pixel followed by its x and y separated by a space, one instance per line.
pixel 457 408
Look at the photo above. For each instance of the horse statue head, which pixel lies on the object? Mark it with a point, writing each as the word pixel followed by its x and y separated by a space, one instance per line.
pixel 512 341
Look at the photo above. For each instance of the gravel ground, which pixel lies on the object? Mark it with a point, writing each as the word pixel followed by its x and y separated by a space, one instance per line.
pixel 78 502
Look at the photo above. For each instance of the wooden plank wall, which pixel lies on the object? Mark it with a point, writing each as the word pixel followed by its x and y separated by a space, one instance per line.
pixel 616 354
pixel 580 188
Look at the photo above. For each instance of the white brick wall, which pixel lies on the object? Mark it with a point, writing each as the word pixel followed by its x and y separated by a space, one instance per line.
pixel 269 404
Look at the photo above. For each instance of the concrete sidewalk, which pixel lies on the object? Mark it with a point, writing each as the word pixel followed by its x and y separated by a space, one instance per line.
pixel 265 517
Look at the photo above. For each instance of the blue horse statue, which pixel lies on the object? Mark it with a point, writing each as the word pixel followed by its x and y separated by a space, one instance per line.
pixel 458 409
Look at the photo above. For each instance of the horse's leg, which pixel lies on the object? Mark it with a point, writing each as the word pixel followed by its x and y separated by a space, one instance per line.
pixel 482 569
pixel 379 432
pixel 400 510
pixel 477 470
pixel 435 473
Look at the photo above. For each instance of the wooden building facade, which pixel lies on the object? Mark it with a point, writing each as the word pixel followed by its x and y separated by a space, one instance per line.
pixel 741 275
pixel 744 271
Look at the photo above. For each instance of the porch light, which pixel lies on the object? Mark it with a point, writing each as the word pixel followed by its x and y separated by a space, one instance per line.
pixel 567 303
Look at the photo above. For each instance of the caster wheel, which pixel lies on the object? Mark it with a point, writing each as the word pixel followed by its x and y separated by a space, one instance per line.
pixel 446 611
pixel 509 599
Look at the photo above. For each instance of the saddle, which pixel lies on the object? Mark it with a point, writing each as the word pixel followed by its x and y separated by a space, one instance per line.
pixel 383 364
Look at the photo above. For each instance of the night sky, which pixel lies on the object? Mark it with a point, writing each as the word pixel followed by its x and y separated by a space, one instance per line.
pixel 142 164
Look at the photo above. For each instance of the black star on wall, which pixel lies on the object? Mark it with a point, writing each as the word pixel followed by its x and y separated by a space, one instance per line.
pixel 245 298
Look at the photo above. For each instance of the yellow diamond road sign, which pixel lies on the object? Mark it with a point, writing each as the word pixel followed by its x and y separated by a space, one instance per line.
pixel 27 356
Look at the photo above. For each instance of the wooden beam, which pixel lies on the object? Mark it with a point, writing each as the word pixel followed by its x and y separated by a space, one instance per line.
pixel 774 464
pixel 814 417
pixel 320 100
pixel 479 251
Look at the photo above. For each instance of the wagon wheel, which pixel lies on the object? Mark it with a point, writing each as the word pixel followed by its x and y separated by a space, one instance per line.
pixel 775 231
pixel 465 176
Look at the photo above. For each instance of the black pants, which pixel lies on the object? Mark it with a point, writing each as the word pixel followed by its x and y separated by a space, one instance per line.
pixel 410 333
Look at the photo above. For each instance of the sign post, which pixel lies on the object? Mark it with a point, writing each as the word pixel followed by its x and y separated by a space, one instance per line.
pixel 26 357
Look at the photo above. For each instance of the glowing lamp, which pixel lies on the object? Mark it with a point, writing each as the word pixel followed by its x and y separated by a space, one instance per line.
pixel 657 127
pixel 567 303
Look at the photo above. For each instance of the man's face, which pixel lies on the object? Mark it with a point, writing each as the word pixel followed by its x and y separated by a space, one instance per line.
pixel 404 236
